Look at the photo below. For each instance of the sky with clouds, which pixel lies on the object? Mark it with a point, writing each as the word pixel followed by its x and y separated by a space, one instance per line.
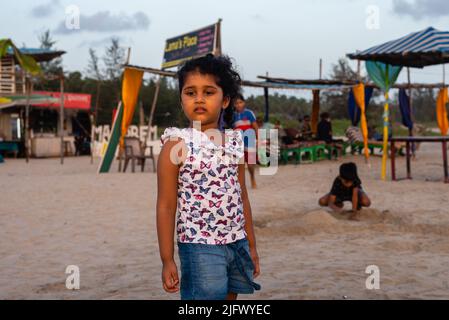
pixel 284 37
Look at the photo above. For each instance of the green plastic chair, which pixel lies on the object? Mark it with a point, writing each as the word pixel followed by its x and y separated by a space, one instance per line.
pixel 319 152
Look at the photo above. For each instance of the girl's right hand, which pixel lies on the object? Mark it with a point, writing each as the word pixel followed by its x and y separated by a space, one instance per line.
pixel 170 280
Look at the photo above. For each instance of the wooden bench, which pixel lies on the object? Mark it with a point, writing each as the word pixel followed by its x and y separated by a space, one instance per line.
pixel 357 147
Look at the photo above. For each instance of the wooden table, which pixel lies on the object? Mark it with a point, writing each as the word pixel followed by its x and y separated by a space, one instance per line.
pixel 408 141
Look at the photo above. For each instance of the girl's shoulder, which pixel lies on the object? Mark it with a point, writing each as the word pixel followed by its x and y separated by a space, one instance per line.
pixel 172 134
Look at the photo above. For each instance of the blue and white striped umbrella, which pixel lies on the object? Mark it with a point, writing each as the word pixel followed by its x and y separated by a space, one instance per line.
pixel 419 49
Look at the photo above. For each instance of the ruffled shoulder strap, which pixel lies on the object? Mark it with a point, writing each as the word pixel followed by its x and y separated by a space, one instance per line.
pixel 171 133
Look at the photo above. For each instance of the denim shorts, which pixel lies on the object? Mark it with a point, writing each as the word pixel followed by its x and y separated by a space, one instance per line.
pixel 210 272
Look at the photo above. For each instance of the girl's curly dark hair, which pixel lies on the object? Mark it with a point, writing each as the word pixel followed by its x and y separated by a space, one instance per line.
pixel 227 78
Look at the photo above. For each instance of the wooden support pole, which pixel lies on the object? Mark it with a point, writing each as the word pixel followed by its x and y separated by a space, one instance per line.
pixel 410 101
pixel 359 72
pixel 321 69
pixel 444 74
pixel 267 103
pixel 92 137
pixel 27 119
pixel 153 104
pixel 61 117
pixel 217 48
pixel 315 110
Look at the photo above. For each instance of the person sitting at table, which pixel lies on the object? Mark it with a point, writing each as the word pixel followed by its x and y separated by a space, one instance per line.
pixel 324 129
pixel 324 133
pixel 306 129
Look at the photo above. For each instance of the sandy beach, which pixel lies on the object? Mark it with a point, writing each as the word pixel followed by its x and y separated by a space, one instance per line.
pixel 52 216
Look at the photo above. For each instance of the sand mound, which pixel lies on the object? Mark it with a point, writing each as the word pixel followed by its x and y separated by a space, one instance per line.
pixel 299 224
pixel 317 218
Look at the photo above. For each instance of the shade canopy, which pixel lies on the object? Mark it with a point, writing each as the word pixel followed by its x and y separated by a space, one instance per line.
pixel 40 55
pixel 7 101
pixel 418 49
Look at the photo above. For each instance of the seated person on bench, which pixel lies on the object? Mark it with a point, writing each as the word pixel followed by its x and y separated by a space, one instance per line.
pixel 324 132
pixel 306 129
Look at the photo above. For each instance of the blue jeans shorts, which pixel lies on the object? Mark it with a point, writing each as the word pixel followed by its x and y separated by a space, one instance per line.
pixel 210 272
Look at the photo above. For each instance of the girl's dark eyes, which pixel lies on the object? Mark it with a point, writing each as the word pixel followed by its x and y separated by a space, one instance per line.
pixel 191 93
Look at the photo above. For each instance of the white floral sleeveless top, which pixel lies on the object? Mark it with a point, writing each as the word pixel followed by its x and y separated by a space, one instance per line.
pixel 210 208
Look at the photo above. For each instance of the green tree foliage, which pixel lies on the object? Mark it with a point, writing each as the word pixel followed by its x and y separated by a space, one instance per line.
pixel 46 42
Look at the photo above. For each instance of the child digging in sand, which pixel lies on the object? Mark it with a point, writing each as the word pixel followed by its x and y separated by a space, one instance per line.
pixel 346 187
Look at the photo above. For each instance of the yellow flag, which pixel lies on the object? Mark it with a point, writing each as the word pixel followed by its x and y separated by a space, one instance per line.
pixel 442 112
pixel 359 97
pixel 132 80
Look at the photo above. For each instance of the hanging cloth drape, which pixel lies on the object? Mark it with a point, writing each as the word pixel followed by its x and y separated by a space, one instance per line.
pixel 132 81
pixel 359 97
pixel 353 111
pixel 442 112
pixel 404 107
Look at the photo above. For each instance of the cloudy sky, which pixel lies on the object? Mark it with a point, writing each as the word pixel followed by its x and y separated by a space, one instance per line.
pixel 284 37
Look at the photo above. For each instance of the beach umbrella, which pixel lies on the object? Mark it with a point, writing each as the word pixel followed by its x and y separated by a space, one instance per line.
pixel 418 49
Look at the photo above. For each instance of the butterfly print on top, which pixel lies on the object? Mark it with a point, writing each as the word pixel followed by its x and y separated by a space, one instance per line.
pixel 210 209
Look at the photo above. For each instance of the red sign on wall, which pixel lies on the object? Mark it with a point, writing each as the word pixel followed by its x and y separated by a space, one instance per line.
pixel 71 100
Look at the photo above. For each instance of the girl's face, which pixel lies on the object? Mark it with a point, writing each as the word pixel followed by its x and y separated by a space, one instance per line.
pixel 202 99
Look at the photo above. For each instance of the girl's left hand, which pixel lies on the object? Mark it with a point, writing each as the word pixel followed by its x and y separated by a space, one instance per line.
pixel 255 258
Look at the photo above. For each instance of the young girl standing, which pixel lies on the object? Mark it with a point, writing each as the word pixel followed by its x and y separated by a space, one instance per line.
pixel 201 186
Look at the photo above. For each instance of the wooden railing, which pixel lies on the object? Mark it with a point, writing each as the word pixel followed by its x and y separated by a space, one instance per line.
pixel 12 80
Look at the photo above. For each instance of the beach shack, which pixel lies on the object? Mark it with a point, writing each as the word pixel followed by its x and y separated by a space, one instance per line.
pixel 40 122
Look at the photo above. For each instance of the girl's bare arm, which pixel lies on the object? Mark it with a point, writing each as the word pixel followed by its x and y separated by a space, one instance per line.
pixel 167 176
pixel 248 220
pixel 355 199
pixel 332 199
pixel 167 193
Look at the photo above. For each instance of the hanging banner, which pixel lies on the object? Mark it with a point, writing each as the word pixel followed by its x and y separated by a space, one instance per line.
pixel 359 97
pixel 190 45
pixel 442 112
pixel 132 80
pixel 404 107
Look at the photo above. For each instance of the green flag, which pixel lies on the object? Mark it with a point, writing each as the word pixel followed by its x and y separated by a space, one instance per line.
pixel 109 155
